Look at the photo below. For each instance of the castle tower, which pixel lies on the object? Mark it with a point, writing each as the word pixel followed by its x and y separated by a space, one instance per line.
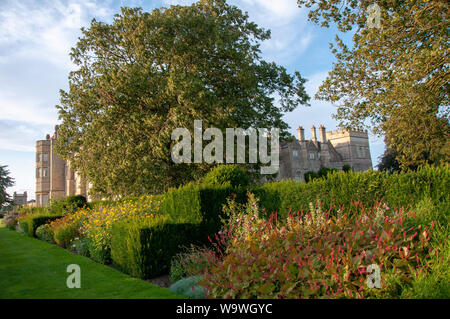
pixel 301 133
pixel 323 137
pixel 20 199
pixel 57 170
pixel 50 171
pixel 313 131
pixel 353 146
pixel 43 171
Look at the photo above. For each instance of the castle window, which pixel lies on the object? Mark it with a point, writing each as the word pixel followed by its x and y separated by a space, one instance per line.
pixel 295 153
pixel 44 200
pixel 37 173
pixel 311 156
pixel 45 157
pixel 361 152
pixel 45 172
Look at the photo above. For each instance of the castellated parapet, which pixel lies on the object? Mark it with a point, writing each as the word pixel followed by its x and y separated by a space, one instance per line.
pixel 334 150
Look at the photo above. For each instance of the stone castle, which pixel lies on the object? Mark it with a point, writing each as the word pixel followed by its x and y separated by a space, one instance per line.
pixel 334 150
pixel 55 178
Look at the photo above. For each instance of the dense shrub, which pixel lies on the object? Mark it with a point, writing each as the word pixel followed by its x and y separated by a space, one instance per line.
pixel 66 229
pixel 97 228
pixel 316 254
pixel 188 261
pixel 322 172
pixel 145 247
pixel 27 210
pixel 10 219
pixel 29 223
pixel 67 205
pixel 227 175
pixel 339 188
pixel 199 204
pixel 81 246
pixel 434 283
pixel 346 168
pixel 45 233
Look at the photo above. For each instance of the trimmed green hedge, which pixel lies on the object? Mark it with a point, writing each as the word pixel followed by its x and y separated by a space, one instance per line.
pixel 200 204
pixel 399 189
pixel 144 248
pixel 30 223
pixel 191 213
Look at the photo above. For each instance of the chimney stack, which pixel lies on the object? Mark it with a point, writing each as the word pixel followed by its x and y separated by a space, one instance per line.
pixel 313 131
pixel 301 133
pixel 323 136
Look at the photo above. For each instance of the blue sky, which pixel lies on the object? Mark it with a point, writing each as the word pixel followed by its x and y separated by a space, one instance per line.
pixel 36 37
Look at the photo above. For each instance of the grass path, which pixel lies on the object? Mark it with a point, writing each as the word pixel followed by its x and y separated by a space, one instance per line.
pixel 30 268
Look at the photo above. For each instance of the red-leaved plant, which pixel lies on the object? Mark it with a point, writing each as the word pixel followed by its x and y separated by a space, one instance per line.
pixel 313 254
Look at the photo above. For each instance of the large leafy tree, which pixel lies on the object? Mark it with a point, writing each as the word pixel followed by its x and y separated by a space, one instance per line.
pixel 395 76
pixel 147 73
pixel 5 182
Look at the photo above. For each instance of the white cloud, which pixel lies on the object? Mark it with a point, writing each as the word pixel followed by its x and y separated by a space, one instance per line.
pixel 45 30
pixel 28 109
pixel 279 12
pixel 21 136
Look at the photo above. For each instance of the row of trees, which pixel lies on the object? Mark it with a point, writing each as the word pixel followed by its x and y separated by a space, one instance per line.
pixel 148 73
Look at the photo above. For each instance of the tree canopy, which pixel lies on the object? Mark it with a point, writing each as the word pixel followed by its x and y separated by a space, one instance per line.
pixel 5 182
pixel 395 76
pixel 147 73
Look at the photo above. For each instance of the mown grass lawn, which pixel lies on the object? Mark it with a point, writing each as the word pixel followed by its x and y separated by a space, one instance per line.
pixel 30 268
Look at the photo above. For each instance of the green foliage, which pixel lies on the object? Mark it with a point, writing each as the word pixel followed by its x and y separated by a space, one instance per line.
pixel 188 261
pixel 339 188
pixel 317 254
pixel 346 168
pixel 147 73
pixel 394 76
pixel 388 161
pixel 310 175
pixel 30 223
pixel 5 182
pixel 26 210
pixel 435 282
pixel 227 175
pixel 99 253
pixel 81 246
pixel 10 219
pixel 45 233
pixel 97 227
pixel 200 204
pixel 66 229
pixel 67 205
pixel 322 172
pixel 144 248
pixel 189 287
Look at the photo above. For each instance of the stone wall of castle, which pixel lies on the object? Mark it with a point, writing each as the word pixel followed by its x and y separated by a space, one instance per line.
pixel 54 176
pixel 334 150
